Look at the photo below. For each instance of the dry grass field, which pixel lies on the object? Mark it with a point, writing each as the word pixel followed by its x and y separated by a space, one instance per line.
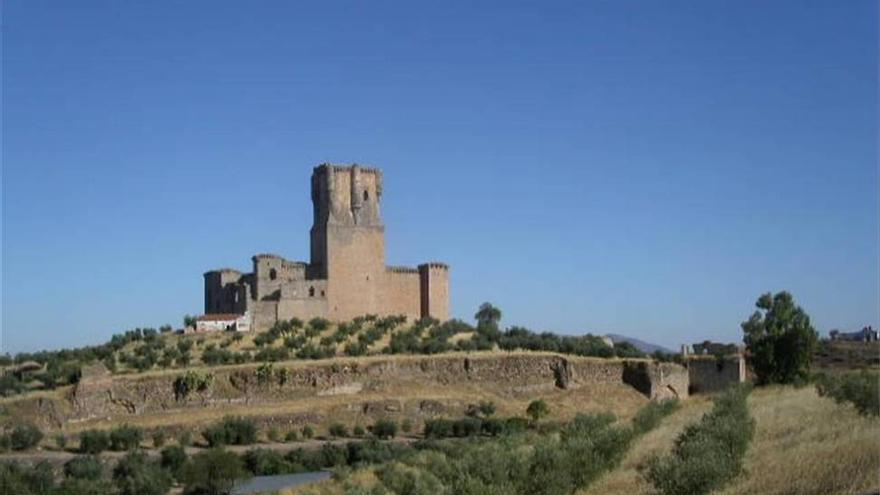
pixel 808 445
pixel 803 445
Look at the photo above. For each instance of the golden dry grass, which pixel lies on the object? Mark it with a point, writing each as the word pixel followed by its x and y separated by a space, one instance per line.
pixel 803 445
pixel 808 445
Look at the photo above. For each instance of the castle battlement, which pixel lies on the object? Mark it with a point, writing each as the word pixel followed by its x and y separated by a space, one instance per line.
pixel 347 168
pixel 402 269
pixel 437 265
pixel 346 276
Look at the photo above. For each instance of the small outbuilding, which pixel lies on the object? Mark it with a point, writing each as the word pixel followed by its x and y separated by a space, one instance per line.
pixel 222 322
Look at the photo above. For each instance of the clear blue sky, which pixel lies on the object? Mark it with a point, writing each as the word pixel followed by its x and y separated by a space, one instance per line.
pixel 639 167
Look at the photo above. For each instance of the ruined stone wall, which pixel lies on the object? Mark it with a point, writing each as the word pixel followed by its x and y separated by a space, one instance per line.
pixel 517 373
pixel 272 272
pixel 400 295
pixel 708 374
pixel 222 291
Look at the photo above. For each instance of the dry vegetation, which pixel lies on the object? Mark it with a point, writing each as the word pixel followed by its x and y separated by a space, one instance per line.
pixel 808 445
pixel 804 444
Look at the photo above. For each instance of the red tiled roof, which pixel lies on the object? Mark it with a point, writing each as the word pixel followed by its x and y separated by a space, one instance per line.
pixel 219 317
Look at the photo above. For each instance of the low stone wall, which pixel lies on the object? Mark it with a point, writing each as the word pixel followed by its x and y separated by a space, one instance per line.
pixel 708 374
pixel 100 395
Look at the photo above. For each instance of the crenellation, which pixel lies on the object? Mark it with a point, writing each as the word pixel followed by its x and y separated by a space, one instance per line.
pixel 346 275
pixel 402 269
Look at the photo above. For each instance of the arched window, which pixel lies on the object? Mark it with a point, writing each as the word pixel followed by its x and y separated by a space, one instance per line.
pixel 273 274
pixel 311 292
pixel 366 195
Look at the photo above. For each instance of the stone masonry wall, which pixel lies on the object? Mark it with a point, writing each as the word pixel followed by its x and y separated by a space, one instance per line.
pixel 97 397
pixel 708 374
pixel 401 292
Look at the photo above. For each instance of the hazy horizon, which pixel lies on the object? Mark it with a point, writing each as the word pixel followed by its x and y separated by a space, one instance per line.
pixel 633 168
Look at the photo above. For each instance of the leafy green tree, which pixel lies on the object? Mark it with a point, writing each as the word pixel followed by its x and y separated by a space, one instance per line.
pixel 189 321
pixel 537 409
pixel 125 437
pixel 488 315
pixel 385 428
pixel 213 472
pixel 780 340
pixel 135 475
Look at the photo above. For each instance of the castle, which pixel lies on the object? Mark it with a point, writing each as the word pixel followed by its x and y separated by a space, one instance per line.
pixel 346 277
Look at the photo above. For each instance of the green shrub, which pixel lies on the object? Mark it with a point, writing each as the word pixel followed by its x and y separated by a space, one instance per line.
pixel 467 427
pixel 86 468
pixel 125 437
pixel 438 428
pixel 273 435
pixel 337 430
pixel 231 431
pixel 134 474
pixel 385 428
pixel 191 381
pixel 93 441
pixel 308 432
pixel 24 437
pixel 537 409
pixel 21 479
pixel 648 417
pixel 862 390
pixel 172 459
pixel 319 324
pixel 214 471
pixel 492 427
pixel 291 436
pixel 359 431
pixel 264 462
pixel 403 479
pixel 708 454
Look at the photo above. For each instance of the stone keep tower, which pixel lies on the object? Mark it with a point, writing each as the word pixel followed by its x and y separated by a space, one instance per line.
pixel 348 238
pixel 346 276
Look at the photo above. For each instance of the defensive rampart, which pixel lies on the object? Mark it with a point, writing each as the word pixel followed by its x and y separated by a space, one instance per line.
pixel 102 397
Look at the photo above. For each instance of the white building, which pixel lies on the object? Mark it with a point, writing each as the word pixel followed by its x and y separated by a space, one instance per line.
pixel 223 322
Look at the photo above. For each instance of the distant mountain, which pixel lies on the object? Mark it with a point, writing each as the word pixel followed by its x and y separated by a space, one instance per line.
pixel 643 346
